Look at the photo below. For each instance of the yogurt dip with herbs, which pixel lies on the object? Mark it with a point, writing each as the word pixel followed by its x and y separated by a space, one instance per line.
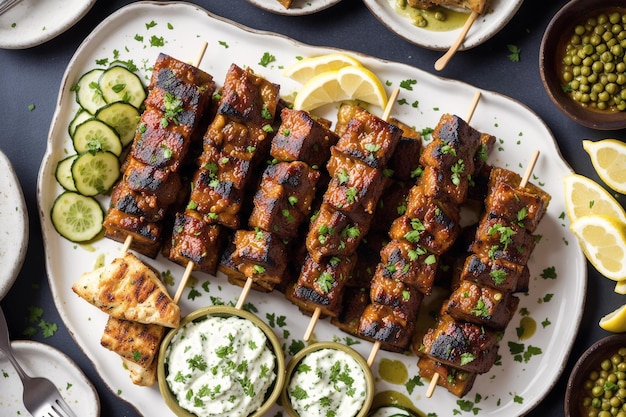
pixel 327 382
pixel 220 366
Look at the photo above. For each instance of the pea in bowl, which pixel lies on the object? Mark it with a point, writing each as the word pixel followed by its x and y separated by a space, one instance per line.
pixel 597 383
pixel 582 62
pixel 325 377
pixel 221 361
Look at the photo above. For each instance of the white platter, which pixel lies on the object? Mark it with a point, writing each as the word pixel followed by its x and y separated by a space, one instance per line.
pixel 33 22
pixel 39 359
pixel 13 226
pixel 297 8
pixel 511 388
pixel 498 14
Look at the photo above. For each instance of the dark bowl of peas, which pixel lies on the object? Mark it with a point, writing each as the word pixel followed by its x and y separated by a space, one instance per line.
pixel 582 62
pixel 597 385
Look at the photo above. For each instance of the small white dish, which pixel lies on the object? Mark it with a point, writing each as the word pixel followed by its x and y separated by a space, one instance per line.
pixel 33 22
pixel 39 359
pixel 13 226
pixel 297 8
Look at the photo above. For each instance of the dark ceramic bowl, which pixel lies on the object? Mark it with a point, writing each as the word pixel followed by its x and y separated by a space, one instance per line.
pixel 588 362
pixel 553 46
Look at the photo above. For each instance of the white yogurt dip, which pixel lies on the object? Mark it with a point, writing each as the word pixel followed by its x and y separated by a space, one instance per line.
pixel 220 366
pixel 327 383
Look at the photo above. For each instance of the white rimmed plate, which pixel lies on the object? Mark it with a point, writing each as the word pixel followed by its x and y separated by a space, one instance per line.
pixel 38 359
pixel 498 14
pixel 33 22
pixel 297 8
pixel 13 226
pixel 558 267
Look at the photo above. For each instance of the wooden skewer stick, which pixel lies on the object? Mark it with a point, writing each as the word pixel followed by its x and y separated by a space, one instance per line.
pixel 523 182
pixel 445 58
pixel 317 312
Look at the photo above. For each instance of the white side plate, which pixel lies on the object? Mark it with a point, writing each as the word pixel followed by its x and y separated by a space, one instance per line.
pixel 513 387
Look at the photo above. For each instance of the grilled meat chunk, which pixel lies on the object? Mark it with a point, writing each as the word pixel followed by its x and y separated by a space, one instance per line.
pixel 518 205
pixel 301 138
pixel 354 302
pixel 218 201
pixel 499 274
pixel 146 235
pixel 128 289
pixel 405 161
pixel 498 238
pixel 387 325
pixel 412 265
pixel 260 255
pixel 456 381
pixel 395 294
pixel 461 345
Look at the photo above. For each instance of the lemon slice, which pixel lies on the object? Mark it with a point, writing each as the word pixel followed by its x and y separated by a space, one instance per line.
pixel 603 240
pixel 307 68
pixel 608 157
pixel 615 321
pixel 583 196
pixel 347 83
pixel 620 287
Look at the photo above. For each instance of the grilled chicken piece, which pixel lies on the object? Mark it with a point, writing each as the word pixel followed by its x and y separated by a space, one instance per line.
pixel 128 289
pixel 457 381
pixel 396 294
pixel 514 179
pixel 369 139
pixel 138 345
pixel 354 302
pixel 355 187
pixel 260 255
pixel 405 229
pixel 461 345
pixel 499 274
pixel 387 325
pixel 195 240
pixel 301 138
pixel 483 306
pixel 321 285
pixel 333 233
pixel 497 238
pixel 521 206
pixel 146 235
pixel 411 265
pixel 453 139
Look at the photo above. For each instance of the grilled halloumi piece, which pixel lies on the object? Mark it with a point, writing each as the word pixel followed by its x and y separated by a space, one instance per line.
pixel 128 289
pixel 137 344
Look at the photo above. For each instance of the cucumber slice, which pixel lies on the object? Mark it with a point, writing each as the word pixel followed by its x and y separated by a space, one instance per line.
pixel 63 173
pixel 80 116
pixel 76 217
pixel 121 84
pixel 88 92
pixel 95 172
pixel 95 135
pixel 123 117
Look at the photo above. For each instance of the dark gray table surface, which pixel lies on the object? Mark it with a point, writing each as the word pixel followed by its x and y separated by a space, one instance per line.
pixel 33 76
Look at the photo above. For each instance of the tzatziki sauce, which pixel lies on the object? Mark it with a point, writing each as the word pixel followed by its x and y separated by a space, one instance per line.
pixel 220 366
pixel 327 382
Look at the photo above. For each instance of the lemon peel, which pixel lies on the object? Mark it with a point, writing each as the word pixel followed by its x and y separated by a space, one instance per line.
pixel 615 321
pixel 608 157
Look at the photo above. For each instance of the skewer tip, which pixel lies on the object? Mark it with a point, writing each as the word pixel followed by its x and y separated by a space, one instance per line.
pixel 432 386
pixel 373 353
pixel 314 318
pixel 244 293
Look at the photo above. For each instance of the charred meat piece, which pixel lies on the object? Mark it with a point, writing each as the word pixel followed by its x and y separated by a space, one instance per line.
pixel 392 204
pixel 321 285
pixel 483 306
pixel 368 254
pixel 500 274
pixel 396 294
pixel 497 175
pixel 521 206
pixel 387 325
pixel 409 264
pixel 301 138
pixel 355 187
pixel 333 233
pixel 163 184
pixel 260 255
pixel 405 161
pixel 195 240
pixel 354 302
pixel 461 345
pixel 144 206
pixel 405 229
pixel 456 381
pixel 498 238
pixel 146 235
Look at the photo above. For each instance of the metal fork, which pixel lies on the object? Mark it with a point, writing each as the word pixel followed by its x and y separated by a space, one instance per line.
pixel 41 397
pixel 7 4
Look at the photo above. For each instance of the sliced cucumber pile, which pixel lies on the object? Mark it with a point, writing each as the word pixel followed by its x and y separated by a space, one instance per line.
pixel 110 103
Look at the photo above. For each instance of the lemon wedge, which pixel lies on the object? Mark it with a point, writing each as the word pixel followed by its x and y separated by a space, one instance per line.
pixel 347 83
pixel 603 240
pixel 620 287
pixel 608 157
pixel 615 321
pixel 583 196
pixel 307 68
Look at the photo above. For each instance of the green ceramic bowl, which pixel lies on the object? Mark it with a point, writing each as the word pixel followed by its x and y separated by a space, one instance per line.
pixel 223 311
pixel 298 357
